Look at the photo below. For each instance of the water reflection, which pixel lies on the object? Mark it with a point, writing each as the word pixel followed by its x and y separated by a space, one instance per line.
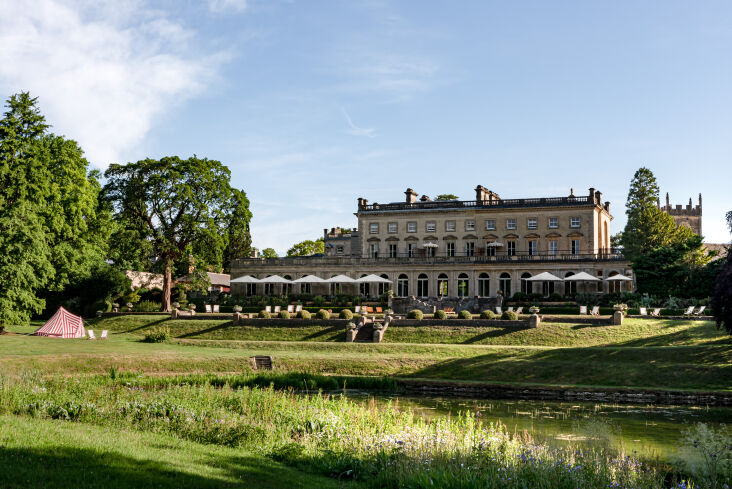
pixel 652 431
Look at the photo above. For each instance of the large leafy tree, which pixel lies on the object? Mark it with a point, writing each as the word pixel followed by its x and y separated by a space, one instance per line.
pixel 648 227
pixel 52 231
pixel 307 248
pixel 722 298
pixel 269 253
pixel 238 237
pixel 182 208
pixel 447 197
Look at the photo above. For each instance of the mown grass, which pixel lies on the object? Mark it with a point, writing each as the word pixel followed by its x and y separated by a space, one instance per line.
pixel 56 454
pixel 325 435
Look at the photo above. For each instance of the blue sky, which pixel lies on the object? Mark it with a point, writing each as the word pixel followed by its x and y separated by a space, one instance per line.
pixel 314 104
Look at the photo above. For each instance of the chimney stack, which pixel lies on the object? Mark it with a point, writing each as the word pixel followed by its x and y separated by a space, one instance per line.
pixel 481 193
pixel 411 196
pixel 668 202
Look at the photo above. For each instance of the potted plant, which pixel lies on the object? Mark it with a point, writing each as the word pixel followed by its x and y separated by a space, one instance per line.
pixel 534 310
pixel 622 308
pixel 99 313
pixel 129 307
pixel 192 307
pixel 115 307
pixel 176 305
pixel 237 308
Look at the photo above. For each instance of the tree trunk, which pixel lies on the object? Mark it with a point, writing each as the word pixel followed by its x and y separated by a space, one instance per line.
pixel 167 283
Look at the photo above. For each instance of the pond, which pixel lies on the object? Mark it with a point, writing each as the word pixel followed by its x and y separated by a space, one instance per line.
pixel 653 431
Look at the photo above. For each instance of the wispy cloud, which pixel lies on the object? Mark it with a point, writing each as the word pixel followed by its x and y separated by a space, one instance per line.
pixel 103 73
pixel 354 129
pixel 219 6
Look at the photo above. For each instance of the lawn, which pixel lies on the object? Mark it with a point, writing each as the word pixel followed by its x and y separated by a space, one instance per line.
pixel 57 454
pixel 648 354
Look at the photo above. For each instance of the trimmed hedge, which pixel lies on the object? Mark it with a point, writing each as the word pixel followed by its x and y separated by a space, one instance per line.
pixel 487 315
pixel 415 314
pixel 265 315
pixel 345 314
pixel 509 316
pixel 284 315
pixel 464 314
pixel 304 314
pixel 322 314
pixel 440 314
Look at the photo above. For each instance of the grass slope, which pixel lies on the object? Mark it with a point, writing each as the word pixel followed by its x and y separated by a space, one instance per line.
pixel 58 454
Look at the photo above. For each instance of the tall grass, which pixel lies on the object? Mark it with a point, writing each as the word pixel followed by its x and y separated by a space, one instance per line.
pixel 329 434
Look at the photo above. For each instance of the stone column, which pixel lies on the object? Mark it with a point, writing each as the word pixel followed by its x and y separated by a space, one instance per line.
pixel 534 321
pixel 617 318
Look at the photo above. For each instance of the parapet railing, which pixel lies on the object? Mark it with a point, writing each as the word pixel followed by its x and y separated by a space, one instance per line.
pixel 454 204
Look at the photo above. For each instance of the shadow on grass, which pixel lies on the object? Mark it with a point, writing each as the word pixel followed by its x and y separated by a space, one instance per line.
pixel 495 333
pixel 207 330
pixel 64 467
pixel 138 328
pixel 337 332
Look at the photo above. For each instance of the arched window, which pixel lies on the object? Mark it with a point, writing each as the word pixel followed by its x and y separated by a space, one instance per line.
pixel 305 288
pixel 570 286
pixel 484 285
pixel 335 288
pixel 442 286
pixel 287 288
pixel 423 285
pixel 364 288
pixel 526 286
pixel 504 284
pixel 403 285
pixel 384 286
pixel 463 289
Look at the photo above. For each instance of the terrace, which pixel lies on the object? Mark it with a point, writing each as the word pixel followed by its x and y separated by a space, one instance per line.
pixel 484 204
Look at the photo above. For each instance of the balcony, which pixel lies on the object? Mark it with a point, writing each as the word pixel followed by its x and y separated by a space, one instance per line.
pixel 439 258
pixel 483 204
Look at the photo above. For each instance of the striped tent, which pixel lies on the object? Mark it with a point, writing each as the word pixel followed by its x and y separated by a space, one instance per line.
pixel 63 324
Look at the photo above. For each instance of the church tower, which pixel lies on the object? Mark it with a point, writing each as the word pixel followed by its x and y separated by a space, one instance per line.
pixel 688 216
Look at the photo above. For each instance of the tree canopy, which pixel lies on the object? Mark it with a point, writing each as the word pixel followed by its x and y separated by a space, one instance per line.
pixel 269 253
pixel 52 230
pixel 447 197
pixel 721 304
pixel 307 248
pixel 185 209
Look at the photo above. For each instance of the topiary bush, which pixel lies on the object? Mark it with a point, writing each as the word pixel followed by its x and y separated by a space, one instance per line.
pixel 157 335
pixel 303 314
pixel 487 315
pixel 509 316
pixel 265 315
pixel 147 306
pixel 346 314
pixel 322 314
pixel 318 300
pixel 284 315
pixel 415 314
pixel 440 314
pixel 465 314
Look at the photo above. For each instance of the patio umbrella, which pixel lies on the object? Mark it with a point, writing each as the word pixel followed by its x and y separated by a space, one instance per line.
pixel 374 279
pixel 544 277
pixel 430 245
pixel 493 244
pixel 581 277
pixel 246 279
pixel 341 279
pixel 275 279
pixel 309 279
pixel 619 277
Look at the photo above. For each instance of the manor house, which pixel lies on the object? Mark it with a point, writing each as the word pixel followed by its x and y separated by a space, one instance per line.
pixel 458 248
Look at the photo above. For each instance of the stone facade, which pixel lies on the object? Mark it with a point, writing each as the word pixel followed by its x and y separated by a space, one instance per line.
pixel 458 248
pixel 690 217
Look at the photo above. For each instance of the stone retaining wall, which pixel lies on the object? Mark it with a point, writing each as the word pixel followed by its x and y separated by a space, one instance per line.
pixel 570 394
pixel 478 323
pixel 293 323
pixel 402 305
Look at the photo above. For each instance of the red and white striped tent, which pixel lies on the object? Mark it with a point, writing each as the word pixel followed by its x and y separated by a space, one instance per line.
pixel 63 324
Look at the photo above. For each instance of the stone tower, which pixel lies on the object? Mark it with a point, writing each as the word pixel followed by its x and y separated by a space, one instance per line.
pixel 689 216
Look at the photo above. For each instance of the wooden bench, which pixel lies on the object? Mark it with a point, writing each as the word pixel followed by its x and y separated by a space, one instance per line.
pixel 262 362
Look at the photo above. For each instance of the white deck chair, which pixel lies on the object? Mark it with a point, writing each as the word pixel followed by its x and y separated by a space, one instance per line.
pixel 216 308
pixel 357 309
pixel 510 309
pixel 643 311
pixel 90 332
pixel 208 307
pixel 700 311
pixel 268 308
pixel 656 312
pixel 519 309
pixel 583 309
pixel 595 311
pixel 104 334
pixel 689 311
pixel 298 308
pixel 290 308
pixel 499 310
pixel 277 309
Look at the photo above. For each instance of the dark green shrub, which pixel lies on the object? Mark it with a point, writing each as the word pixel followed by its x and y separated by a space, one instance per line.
pixel 440 314
pixel 487 315
pixel 415 314
pixel 157 335
pixel 465 314
pixel 322 314
pixel 284 315
pixel 147 306
pixel 509 316
pixel 346 314
pixel 318 300
pixel 265 315
pixel 303 314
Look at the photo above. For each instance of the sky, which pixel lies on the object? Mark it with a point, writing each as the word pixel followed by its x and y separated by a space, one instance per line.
pixel 312 104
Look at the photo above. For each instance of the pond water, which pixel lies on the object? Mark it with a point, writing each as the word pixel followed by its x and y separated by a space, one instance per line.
pixel 653 431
